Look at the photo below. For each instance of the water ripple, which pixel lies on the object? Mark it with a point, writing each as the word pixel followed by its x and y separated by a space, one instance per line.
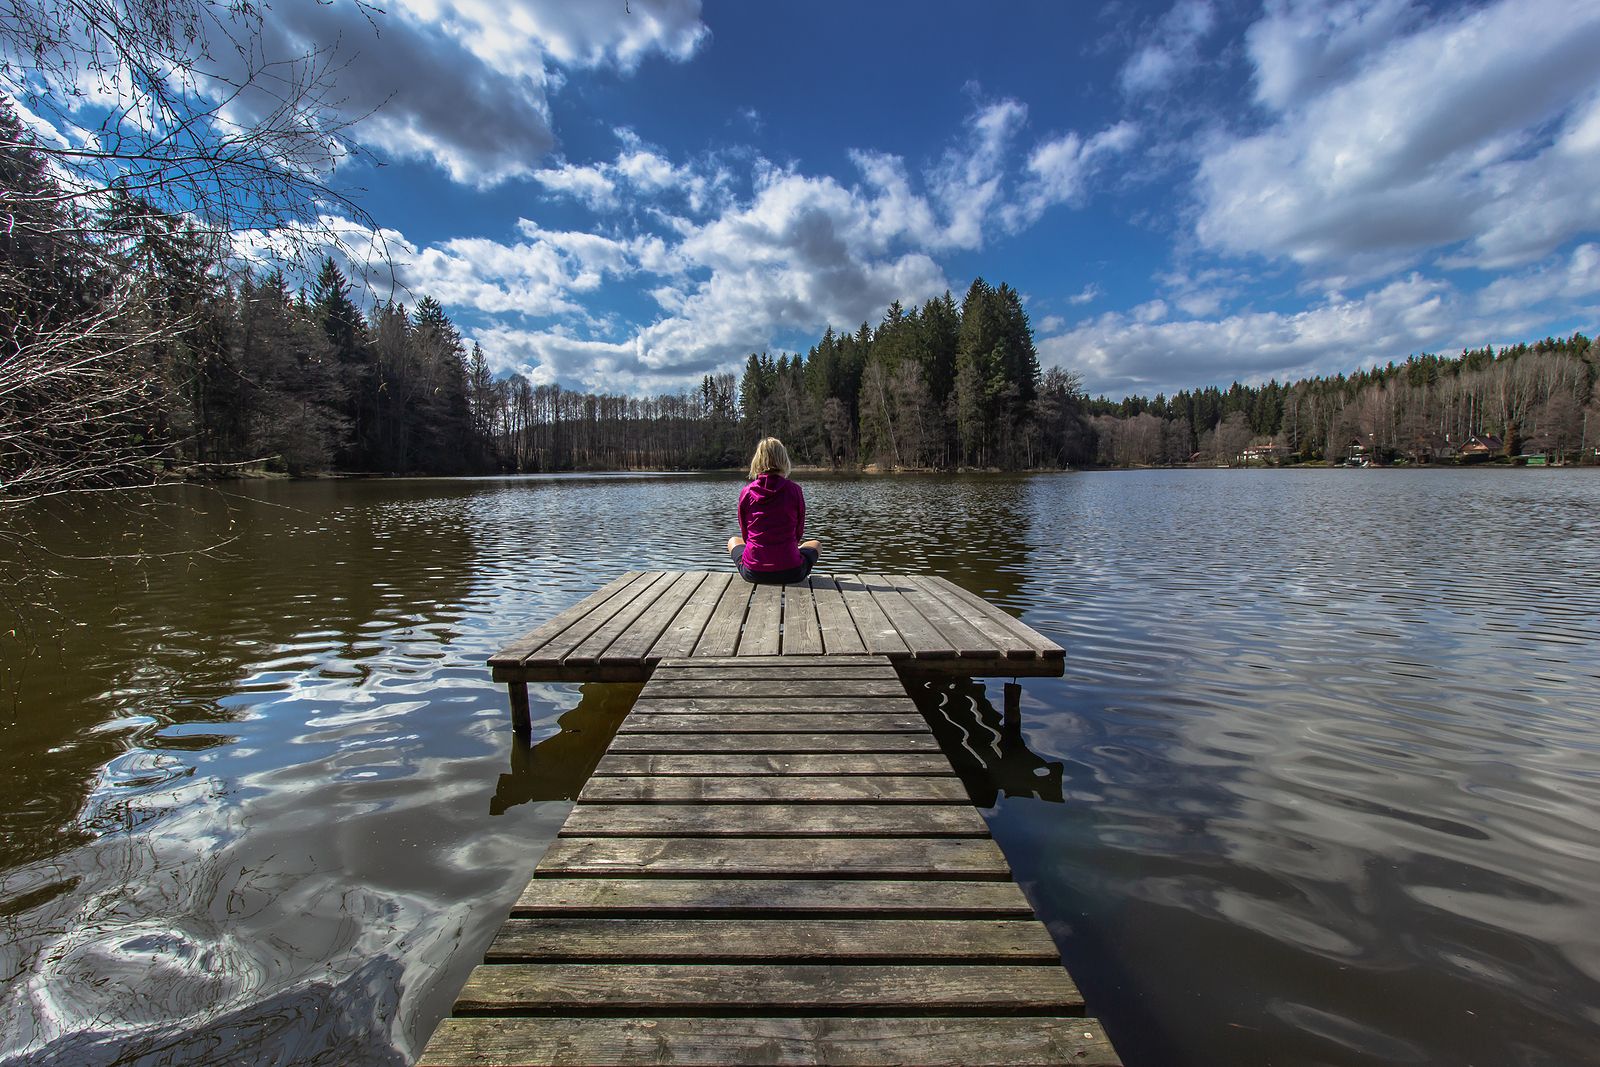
pixel 1318 784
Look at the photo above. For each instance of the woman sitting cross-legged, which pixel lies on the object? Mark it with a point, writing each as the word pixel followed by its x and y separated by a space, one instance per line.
pixel 772 520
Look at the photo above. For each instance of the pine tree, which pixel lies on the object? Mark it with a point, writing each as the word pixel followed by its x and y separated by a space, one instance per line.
pixel 342 324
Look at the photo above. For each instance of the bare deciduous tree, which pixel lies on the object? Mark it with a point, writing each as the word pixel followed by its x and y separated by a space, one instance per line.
pixel 176 104
pixel 118 119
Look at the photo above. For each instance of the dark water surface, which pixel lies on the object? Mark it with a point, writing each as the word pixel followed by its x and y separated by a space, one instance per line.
pixel 1321 784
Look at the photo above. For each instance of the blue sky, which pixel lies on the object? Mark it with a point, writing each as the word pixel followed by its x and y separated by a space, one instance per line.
pixel 624 196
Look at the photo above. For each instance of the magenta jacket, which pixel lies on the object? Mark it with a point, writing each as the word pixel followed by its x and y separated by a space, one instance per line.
pixel 772 519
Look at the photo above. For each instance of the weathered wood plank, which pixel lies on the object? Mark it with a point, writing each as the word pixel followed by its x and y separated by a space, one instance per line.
pixel 774 820
pixel 820 669
pixel 846 1041
pixel 920 635
pixel 878 634
pixel 984 666
pixel 856 722
pixel 697 661
pixel 927 764
pixel 669 897
pixel 649 704
pixel 1041 644
pixel 880 789
pixel 802 636
pixel 941 613
pixel 779 687
pixel 707 743
pixel 683 632
pixel 889 990
pixel 721 635
pixel 756 857
pixel 635 642
pixel 634 674
pixel 981 618
pixel 555 651
pixel 790 940
pixel 517 651
pixel 595 646
pixel 839 636
pixel 761 634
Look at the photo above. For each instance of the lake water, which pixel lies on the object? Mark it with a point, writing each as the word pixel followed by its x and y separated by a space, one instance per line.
pixel 1320 785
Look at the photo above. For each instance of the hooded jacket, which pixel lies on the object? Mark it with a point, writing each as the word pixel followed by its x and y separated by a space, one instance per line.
pixel 772 520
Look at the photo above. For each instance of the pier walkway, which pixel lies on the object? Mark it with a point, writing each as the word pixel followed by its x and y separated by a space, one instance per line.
pixel 773 862
pixel 921 624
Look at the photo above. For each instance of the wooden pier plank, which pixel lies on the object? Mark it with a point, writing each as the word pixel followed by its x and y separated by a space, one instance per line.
pixel 683 633
pixel 839 634
pixel 788 789
pixel 787 705
pixel 590 651
pixel 771 897
pixel 962 1041
pixel 848 722
pixel 809 669
pixel 878 634
pixel 721 635
pixel 941 612
pixel 936 859
pixel 634 644
pixel 791 764
pixel 519 650
pixel 778 688
pixel 788 663
pixel 774 820
pixel 1041 645
pixel 981 616
pixel 920 635
pixel 798 742
pixel 555 651
pixel 790 940
pixel 762 629
pixel 792 989
pixel 802 634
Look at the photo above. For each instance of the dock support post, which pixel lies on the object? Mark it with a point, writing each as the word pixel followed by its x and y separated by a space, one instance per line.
pixel 1013 719
pixel 521 718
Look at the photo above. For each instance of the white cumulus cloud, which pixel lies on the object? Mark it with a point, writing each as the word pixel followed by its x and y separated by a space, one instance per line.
pixel 1120 354
pixel 1173 49
pixel 1438 138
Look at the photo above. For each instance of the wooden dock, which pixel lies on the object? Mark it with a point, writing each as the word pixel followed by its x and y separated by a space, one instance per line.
pixel 773 862
pixel 921 624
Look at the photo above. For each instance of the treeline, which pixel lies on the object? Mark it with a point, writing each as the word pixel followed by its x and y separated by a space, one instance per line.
pixel 938 386
pixel 1542 397
pixel 133 351
pixel 309 383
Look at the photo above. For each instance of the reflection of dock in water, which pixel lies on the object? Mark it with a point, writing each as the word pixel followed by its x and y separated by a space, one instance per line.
pixel 556 767
pixel 985 746
pixel 773 861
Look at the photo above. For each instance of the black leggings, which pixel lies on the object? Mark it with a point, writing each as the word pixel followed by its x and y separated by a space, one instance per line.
pixel 808 558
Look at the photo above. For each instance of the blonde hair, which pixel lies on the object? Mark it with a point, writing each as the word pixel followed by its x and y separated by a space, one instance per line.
pixel 770 456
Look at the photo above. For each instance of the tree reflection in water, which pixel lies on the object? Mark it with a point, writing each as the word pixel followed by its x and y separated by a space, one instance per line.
pixel 985 745
pixel 556 767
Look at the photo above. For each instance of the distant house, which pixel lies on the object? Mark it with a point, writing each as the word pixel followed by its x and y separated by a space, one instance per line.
pixel 1481 448
pixel 1267 453
pixel 1425 447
